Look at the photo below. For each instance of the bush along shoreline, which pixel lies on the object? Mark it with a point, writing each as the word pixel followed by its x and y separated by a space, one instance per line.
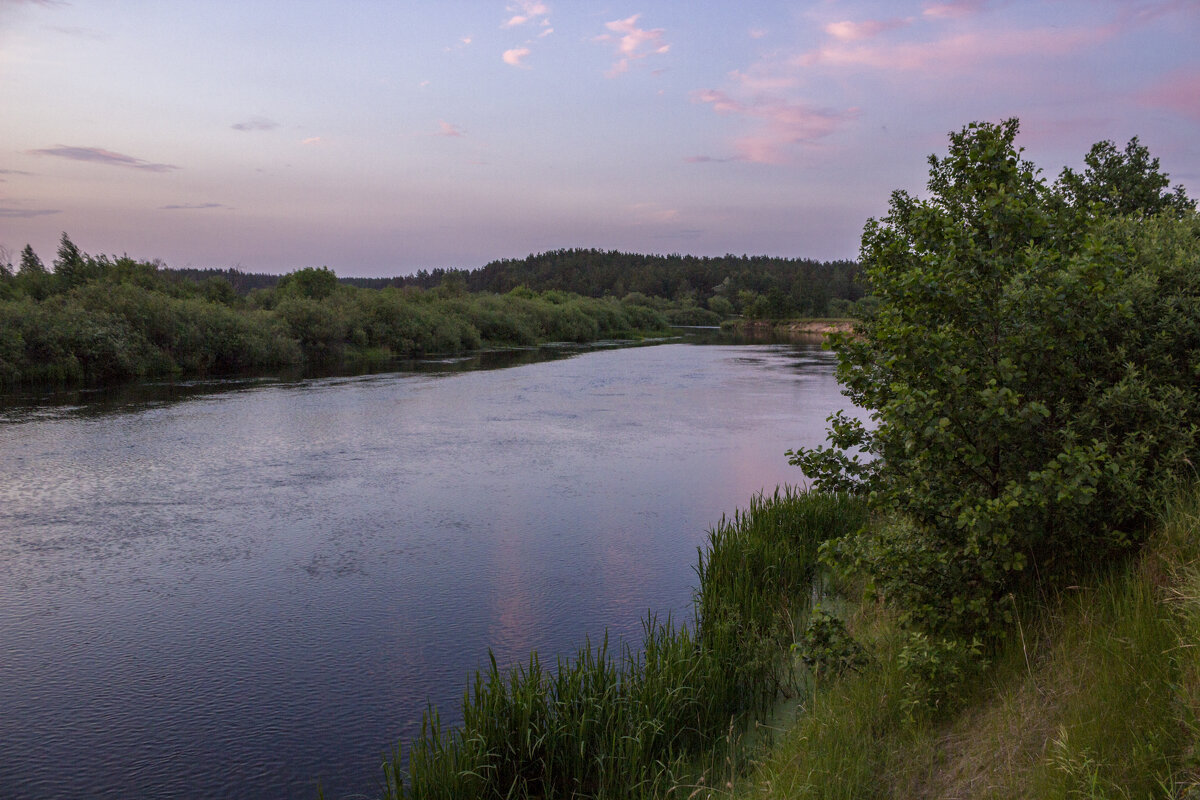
pixel 663 720
pixel 99 321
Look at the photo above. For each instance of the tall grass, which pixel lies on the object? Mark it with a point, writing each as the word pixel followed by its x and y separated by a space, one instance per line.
pixel 1095 694
pixel 640 724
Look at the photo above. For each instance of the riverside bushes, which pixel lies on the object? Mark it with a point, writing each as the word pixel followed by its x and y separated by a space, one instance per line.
pixel 639 723
pixel 1031 372
pixel 96 320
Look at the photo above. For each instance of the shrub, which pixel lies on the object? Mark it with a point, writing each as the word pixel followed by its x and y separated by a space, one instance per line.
pixel 1029 368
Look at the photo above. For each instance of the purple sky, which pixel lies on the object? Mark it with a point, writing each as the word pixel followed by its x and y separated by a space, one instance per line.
pixel 382 137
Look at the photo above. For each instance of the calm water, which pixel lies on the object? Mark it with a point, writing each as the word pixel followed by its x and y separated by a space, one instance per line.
pixel 235 593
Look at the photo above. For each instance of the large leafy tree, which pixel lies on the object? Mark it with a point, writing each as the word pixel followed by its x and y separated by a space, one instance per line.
pixel 1026 396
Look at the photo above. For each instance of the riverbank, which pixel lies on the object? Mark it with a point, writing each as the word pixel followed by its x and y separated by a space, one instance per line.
pixel 673 717
pixel 1095 694
pixel 127 321
pixel 793 330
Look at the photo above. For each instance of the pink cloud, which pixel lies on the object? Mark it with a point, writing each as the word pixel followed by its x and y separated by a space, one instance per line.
pixel 1178 92
pixel 762 79
pixel 847 31
pixel 782 124
pixel 514 56
pixel 958 52
pixel 449 130
pixel 632 42
pixel 524 11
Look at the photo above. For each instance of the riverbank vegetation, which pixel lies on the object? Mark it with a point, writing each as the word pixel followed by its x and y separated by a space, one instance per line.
pixel 96 320
pixel 665 718
pixel 1009 603
pixel 1030 372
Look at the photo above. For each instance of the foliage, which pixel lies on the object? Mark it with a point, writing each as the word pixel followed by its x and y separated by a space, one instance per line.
pixel 756 286
pixel 1096 696
pixel 100 320
pixel 1123 183
pixel 827 648
pixel 693 315
pixel 315 284
pixel 640 724
pixel 1029 370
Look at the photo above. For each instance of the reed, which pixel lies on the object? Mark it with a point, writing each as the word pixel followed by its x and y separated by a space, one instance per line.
pixel 646 723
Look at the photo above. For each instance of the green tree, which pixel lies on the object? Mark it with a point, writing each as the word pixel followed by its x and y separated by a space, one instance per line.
pixel 32 279
pixel 70 265
pixel 311 282
pixel 30 263
pixel 1024 408
pixel 1123 182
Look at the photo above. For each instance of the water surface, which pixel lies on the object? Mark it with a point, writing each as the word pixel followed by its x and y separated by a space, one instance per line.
pixel 239 590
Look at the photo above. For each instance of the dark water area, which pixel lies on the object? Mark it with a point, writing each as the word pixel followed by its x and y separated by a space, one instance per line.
pixel 235 589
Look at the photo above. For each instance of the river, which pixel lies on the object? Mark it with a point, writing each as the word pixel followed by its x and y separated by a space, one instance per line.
pixel 239 589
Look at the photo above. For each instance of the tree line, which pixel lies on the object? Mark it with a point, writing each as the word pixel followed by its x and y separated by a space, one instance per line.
pixel 758 287
pixel 99 319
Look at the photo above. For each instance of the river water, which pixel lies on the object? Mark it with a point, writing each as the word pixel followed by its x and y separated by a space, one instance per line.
pixel 237 590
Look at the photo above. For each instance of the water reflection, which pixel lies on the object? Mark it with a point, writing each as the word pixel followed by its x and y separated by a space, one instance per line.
pixel 237 589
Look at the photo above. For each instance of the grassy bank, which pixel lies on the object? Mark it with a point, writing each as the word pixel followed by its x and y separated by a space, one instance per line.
pixel 660 722
pixel 803 329
pixel 1094 694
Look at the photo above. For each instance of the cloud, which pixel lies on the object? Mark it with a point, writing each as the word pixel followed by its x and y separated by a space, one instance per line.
pixel 761 79
pixel 14 172
pixel 26 213
pixel 80 33
pixel 847 31
pixel 632 42
pixel 708 160
pixel 782 124
pixel 513 57
pixel 192 206
pixel 311 140
pixel 965 51
pixel 1178 92
pixel 952 9
pixel 525 11
pixel 97 155
pixel 256 124
pixel 757 33
pixel 447 129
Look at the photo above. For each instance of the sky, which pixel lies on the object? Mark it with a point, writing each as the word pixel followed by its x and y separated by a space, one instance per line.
pixel 378 138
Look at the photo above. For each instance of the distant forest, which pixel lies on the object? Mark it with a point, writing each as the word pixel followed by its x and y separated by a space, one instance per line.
pixel 96 320
pixel 754 286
